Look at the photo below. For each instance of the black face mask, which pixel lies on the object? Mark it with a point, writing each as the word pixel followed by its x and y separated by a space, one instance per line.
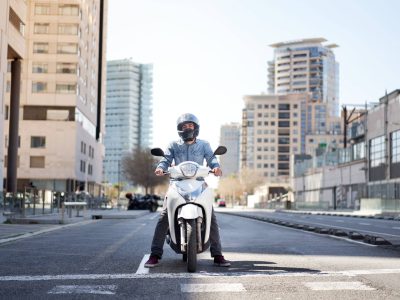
pixel 187 135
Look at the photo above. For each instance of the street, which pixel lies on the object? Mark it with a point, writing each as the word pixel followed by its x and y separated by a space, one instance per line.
pixel 104 258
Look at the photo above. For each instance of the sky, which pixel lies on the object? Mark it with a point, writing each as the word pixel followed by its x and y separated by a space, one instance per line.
pixel 208 54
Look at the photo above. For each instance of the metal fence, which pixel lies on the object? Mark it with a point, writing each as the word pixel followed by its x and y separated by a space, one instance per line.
pixel 35 202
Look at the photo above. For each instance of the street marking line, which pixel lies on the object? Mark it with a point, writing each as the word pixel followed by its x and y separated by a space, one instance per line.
pixel 155 216
pixel 340 221
pixel 366 224
pixel 395 227
pixel 84 289
pixel 349 273
pixel 212 287
pixel 337 227
pixel 30 234
pixel 317 234
pixel 338 285
pixel 142 269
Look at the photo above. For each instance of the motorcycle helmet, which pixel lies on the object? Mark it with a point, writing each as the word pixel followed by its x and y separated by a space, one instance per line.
pixel 188 134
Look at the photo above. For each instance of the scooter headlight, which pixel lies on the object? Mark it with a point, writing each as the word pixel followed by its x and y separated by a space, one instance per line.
pixel 188 169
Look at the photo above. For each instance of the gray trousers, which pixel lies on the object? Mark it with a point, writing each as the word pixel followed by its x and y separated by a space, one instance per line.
pixel 162 228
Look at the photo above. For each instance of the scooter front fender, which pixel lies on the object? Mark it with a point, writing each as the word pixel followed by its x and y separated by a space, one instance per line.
pixel 190 211
pixel 174 200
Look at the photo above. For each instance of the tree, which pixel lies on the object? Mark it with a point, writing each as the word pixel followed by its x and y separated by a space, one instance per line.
pixel 230 189
pixel 250 179
pixel 138 167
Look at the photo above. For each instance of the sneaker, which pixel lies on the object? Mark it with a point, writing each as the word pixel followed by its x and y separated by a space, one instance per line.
pixel 152 262
pixel 220 261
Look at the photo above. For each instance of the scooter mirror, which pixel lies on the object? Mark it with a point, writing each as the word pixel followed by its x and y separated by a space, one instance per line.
pixel 157 152
pixel 221 150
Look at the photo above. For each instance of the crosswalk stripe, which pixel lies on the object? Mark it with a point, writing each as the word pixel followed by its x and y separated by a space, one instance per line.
pixel 337 285
pixel 349 273
pixel 212 287
pixel 84 289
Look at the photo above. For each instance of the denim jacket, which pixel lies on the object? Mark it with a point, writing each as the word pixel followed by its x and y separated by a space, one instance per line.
pixel 179 152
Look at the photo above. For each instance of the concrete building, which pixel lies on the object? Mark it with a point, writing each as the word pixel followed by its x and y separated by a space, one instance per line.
pixel 365 175
pixel 271 132
pixel 230 138
pixel 128 113
pixel 12 51
pixel 62 96
pixel 308 66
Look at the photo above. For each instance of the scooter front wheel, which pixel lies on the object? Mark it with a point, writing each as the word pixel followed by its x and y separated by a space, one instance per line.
pixel 184 257
pixel 191 245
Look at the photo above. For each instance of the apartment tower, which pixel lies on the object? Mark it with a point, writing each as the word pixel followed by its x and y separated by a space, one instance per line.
pixel 12 52
pixel 62 96
pixel 309 66
pixel 128 113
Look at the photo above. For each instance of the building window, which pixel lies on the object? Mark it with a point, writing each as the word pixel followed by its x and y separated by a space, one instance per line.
pixel 39 68
pixel 68 10
pixel 65 88
pixel 395 146
pixel 6 112
pixel 40 47
pixel 377 151
pixel 41 28
pixel 67 48
pixel 39 87
pixel 69 29
pixel 66 68
pixel 90 169
pixel 36 162
pixel 38 141
pixel 83 148
pixel 83 166
pixel 42 9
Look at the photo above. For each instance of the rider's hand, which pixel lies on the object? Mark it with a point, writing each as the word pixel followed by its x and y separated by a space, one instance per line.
pixel 217 171
pixel 159 172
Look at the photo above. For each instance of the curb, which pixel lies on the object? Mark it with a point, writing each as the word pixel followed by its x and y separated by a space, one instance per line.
pixel 351 235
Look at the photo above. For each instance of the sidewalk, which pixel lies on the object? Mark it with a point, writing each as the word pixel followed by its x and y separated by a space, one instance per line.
pixel 33 225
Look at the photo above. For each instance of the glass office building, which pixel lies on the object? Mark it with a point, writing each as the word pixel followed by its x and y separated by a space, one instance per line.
pixel 128 113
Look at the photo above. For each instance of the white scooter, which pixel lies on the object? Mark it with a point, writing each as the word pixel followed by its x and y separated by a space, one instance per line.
pixel 189 206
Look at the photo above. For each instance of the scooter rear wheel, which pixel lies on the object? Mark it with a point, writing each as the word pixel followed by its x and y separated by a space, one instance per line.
pixel 191 245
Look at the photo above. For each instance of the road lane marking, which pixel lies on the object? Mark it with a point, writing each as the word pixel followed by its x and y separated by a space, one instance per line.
pixel 395 227
pixel 340 221
pixel 212 287
pixel 277 273
pixel 142 269
pixel 366 224
pixel 338 286
pixel 30 234
pixel 318 234
pixel 336 227
pixel 84 289
pixel 155 216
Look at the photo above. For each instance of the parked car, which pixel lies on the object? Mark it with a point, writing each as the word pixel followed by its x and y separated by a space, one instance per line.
pixel 139 201
pixel 221 203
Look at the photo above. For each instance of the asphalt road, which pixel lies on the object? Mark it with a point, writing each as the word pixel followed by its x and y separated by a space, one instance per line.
pixel 386 229
pixel 104 259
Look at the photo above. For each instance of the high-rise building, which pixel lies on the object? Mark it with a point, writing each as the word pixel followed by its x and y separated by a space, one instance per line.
pixel 62 96
pixel 306 66
pixel 128 113
pixel 301 113
pixel 271 132
pixel 230 138
pixel 12 49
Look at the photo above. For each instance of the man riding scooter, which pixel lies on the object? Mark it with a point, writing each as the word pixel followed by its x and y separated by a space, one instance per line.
pixel 189 148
